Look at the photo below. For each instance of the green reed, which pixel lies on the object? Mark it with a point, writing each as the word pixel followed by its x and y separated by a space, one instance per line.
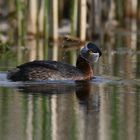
pixel 119 10
pixel 19 28
pixel 37 27
pixel 46 3
pixel 73 20
pixel 73 17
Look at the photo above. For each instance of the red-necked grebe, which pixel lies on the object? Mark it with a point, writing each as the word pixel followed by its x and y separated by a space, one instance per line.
pixel 54 70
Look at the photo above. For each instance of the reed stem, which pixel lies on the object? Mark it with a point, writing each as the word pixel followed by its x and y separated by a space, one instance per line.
pixel 19 29
pixel 83 19
pixel 54 24
pixel 37 28
pixel 73 14
pixel 46 3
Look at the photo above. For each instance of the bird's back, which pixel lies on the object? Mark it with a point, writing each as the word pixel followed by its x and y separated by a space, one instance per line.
pixel 45 70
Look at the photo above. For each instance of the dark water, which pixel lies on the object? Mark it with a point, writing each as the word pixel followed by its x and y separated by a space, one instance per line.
pixel 106 108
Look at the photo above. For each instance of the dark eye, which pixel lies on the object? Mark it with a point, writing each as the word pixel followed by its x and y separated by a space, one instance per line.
pixel 92 47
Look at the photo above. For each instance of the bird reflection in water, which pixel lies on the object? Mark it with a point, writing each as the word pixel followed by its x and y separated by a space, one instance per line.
pixel 87 95
pixel 84 91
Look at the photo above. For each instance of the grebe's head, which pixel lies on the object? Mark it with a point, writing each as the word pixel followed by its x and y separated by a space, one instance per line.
pixel 90 52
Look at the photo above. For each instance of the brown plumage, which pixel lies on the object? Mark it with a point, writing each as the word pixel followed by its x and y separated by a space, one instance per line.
pixel 53 70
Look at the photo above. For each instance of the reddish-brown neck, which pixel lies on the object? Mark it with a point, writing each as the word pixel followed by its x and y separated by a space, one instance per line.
pixel 84 66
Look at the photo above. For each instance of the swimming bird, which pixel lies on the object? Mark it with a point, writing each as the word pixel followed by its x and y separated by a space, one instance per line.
pixel 39 70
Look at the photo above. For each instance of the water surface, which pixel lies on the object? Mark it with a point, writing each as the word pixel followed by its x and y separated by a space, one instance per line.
pixel 105 108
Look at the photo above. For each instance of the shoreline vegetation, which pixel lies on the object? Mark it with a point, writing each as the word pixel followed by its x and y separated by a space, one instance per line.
pixel 38 26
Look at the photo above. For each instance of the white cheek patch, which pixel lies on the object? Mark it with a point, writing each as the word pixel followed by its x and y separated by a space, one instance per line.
pixel 89 56
pixel 95 56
